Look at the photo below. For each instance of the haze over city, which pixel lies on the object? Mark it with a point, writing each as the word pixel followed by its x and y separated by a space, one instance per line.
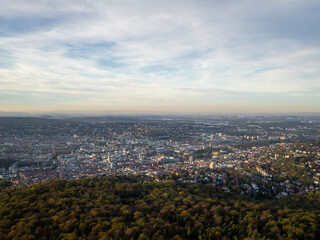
pixel 172 56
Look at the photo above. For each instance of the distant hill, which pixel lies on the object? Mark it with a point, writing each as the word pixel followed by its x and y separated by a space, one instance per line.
pixel 141 118
pixel 25 121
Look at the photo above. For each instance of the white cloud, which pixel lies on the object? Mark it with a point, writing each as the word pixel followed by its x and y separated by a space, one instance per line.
pixel 131 51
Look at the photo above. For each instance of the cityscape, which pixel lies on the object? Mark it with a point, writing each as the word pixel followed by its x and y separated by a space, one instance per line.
pixel 259 156
pixel 178 120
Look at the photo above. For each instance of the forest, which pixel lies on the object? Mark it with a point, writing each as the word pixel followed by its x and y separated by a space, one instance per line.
pixel 136 207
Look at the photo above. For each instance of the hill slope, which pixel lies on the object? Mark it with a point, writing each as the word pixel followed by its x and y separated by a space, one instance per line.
pixel 137 208
pixel 23 121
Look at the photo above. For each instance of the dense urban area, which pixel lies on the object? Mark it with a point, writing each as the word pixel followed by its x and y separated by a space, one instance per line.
pixel 259 156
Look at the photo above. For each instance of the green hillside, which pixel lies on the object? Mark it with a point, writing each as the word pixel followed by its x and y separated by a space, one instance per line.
pixel 137 208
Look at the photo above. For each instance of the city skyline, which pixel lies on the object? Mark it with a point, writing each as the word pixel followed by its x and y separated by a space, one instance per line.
pixel 168 56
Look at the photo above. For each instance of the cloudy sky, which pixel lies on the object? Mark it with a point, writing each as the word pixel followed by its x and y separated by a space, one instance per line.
pixel 178 55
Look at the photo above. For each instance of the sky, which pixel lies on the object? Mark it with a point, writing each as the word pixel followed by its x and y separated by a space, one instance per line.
pixel 160 55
